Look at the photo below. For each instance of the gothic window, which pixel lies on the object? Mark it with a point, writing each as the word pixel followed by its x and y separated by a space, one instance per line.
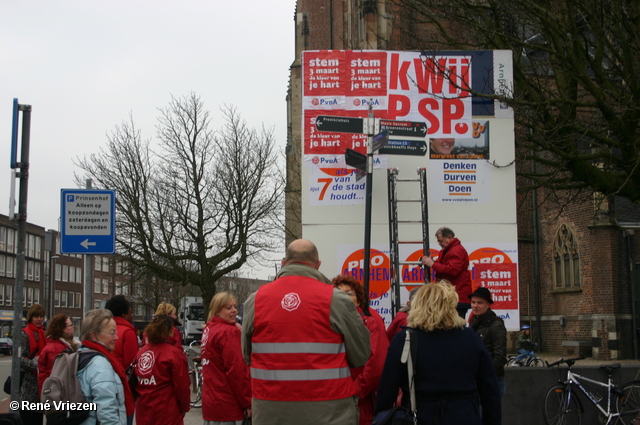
pixel 566 260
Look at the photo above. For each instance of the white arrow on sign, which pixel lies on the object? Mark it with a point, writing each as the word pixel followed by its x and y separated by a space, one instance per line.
pixel 86 244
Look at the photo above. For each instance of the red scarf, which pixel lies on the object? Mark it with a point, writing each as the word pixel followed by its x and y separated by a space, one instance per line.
pixel 35 346
pixel 117 367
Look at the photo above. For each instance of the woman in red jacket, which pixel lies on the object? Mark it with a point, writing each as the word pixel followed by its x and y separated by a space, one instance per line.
pixel 366 378
pixel 59 339
pixel 226 386
pixel 163 377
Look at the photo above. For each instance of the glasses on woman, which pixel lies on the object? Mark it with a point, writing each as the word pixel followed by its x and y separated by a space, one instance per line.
pixel 111 334
pixel 71 326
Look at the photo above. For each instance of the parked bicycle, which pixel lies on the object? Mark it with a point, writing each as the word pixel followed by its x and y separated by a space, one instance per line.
pixel 195 373
pixel 563 406
pixel 530 360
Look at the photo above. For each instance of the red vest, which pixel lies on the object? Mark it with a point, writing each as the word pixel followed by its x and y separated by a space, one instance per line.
pixel 295 355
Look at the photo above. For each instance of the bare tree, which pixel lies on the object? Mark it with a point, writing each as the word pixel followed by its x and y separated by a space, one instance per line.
pixel 576 71
pixel 201 205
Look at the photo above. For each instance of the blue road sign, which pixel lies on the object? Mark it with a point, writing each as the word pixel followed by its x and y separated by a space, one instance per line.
pixel 88 221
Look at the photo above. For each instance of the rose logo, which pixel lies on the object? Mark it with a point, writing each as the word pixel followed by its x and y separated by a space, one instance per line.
pixel 145 362
pixel 291 301
pixel 356 102
pixel 315 160
pixel 315 102
pixel 205 338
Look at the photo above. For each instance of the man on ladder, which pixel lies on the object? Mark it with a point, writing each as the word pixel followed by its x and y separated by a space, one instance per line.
pixel 452 265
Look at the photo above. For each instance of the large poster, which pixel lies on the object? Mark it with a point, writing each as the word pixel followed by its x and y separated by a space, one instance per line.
pixel 465 142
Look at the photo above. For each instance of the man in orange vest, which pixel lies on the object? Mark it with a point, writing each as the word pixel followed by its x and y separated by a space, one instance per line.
pixel 300 335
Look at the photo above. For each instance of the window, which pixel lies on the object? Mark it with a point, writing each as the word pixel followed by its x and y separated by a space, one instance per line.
pixel 105 286
pixel 63 299
pixel 97 285
pixel 139 310
pixel 29 296
pixel 3 238
pixel 105 264
pixel 566 260
pixel 56 298
pixel 38 248
pixel 10 263
pixel 36 271
pixel 72 274
pixel 96 303
pixel 118 267
pixel 78 300
pixel 65 273
pixel 11 240
pixel 58 272
pixel 36 295
pixel 79 274
pixel 31 246
pixel 3 264
pixel 71 299
pixel 97 265
pixel 1 294
pixel 8 291
pixel 30 265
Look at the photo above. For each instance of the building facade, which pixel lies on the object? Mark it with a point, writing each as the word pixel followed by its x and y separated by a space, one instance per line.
pixel 578 256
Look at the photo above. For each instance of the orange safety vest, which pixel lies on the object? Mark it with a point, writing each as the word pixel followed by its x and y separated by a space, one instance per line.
pixel 295 355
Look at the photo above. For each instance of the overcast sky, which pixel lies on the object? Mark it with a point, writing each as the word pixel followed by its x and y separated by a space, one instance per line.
pixel 83 66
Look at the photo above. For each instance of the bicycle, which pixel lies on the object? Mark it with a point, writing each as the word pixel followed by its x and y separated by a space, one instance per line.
pixel 531 360
pixel 195 375
pixel 562 405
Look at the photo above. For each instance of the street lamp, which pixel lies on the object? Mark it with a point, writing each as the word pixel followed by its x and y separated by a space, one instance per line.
pixel 52 283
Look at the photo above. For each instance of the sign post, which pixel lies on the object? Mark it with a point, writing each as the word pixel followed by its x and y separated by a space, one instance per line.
pixel 88 221
pixel 385 142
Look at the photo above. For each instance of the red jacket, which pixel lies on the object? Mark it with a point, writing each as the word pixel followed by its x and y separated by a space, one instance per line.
pixel 127 343
pixel 296 355
pixel 394 326
pixel 163 385
pixel 367 378
pixel 46 358
pixel 226 389
pixel 177 338
pixel 453 265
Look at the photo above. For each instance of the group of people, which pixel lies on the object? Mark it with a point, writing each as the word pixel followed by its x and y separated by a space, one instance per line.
pixel 109 345
pixel 309 351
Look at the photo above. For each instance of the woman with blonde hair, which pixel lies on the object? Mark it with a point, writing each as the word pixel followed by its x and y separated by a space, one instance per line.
pixel 453 374
pixel 168 309
pixel 226 391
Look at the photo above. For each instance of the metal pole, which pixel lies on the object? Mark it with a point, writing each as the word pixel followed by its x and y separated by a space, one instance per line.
pixel 88 274
pixel 52 284
pixel 20 263
pixel 367 213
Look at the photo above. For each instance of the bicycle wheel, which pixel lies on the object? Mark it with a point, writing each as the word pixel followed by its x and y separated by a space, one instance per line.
pixel 537 362
pixel 628 403
pixel 558 410
pixel 511 362
pixel 195 389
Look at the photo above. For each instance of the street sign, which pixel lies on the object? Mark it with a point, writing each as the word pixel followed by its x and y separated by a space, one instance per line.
pixel 355 159
pixel 88 221
pixel 380 140
pixel 340 124
pixel 405 147
pixel 404 128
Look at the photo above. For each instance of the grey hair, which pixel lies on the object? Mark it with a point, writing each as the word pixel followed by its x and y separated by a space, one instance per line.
pixel 94 321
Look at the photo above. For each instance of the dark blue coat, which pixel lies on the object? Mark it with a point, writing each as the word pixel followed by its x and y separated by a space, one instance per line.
pixel 454 374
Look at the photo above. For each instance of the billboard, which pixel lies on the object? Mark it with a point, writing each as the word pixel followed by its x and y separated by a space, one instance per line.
pixel 466 143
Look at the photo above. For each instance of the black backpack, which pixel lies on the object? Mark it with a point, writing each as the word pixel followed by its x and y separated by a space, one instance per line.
pixel 62 392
